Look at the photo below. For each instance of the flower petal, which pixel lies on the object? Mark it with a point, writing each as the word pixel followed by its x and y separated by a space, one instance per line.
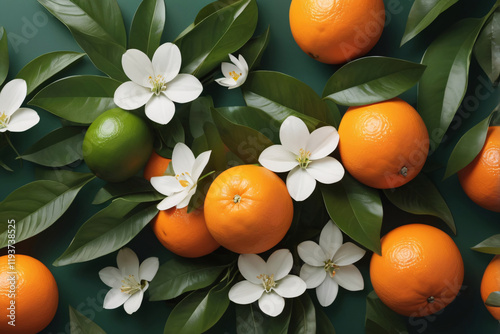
pixel 138 67
pixel 348 253
pixel 300 184
pixel 290 286
pixel 160 109
pixel 166 185
pixel 294 134
pixel 182 159
pixel 327 292
pixel 279 264
pixel 183 88
pixel 226 82
pixel 278 159
pixel 245 292
pixel 128 263
pixel 111 276
pixel 114 298
pixel 311 253
pixel 172 200
pixel 349 277
pixel 167 61
pixel 23 119
pixel 326 170
pixel 322 142
pixel 199 165
pixel 271 304
pixel 251 266
pixel 130 96
pixel 134 302
pixel 330 239
pixel 242 64
pixel 312 276
pixel 12 96
pixel 149 268
pixel 227 68
pixel 187 199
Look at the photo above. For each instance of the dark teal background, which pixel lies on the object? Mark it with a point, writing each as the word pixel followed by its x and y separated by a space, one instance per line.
pixel 33 32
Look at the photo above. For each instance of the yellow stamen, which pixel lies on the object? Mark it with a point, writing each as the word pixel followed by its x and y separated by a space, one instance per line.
pixel 235 75
pixel 303 158
pixel 4 120
pixel 158 84
pixel 267 282
pixel 184 179
pixel 130 285
pixel 331 267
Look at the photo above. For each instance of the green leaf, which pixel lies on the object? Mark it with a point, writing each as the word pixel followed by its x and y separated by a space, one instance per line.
pixel 323 323
pixel 214 143
pixel 490 245
pixel 493 299
pixel 97 26
pixel 180 275
pixel 78 99
pixel 380 319
pixel 80 324
pixel 36 206
pixel 209 42
pixel 199 114
pixel 356 209
pixel 67 177
pixel 46 66
pixel 422 14
pixel 4 166
pixel 372 79
pixel 303 320
pixel 468 147
pixel 107 231
pixel 254 49
pixel 171 133
pixel 421 197
pixel 4 55
pixel 59 148
pixel 443 84
pixel 281 95
pixel 147 26
pixel 251 320
pixel 134 185
pixel 333 115
pixel 487 47
pixel 246 142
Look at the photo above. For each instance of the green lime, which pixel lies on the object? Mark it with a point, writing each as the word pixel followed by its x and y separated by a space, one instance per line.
pixel 117 145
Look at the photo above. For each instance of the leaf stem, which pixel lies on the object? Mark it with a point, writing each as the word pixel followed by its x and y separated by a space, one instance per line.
pixel 12 147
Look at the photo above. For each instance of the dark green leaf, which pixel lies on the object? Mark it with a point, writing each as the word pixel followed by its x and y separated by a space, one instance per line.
pixel 134 185
pixel 254 49
pixel 59 148
pixel 212 8
pixel 493 299
pixel 422 14
pixel 215 144
pixel 356 209
pixel 199 114
pixel 180 275
pixel 4 166
pixel 487 47
pixel 303 320
pixel 78 99
pixel 171 133
pixel 97 27
pixel 333 115
pixel 323 323
pixel 251 320
pixel 79 324
pixel 209 42
pixel 380 319
pixel 468 147
pixel 490 245
pixel 46 66
pixel 36 206
pixel 443 84
pixel 4 55
pixel 372 79
pixel 421 197
pixel 67 177
pixel 147 26
pixel 281 95
pixel 107 231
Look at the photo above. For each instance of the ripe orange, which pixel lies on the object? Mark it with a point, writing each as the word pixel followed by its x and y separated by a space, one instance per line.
pixel 156 166
pixel 28 295
pixel 336 31
pixel 184 233
pixel 248 209
pixel 420 270
pixel 481 178
pixel 383 145
pixel 490 283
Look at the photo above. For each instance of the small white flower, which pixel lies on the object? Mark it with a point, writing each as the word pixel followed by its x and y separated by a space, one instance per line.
pixel 129 281
pixel 157 83
pixel 180 187
pixel 13 118
pixel 235 74
pixel 330 264
pixel 305 155
pixel 268 282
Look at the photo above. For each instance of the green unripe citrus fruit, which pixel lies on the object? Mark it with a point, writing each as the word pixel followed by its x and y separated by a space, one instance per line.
pixel 117 145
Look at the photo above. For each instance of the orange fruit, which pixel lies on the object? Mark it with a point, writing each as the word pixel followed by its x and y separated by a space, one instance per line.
pixel 28 295
pixel 156 166
pixel 420 270
pixel 184 233
pixel 336 31
pixel 248 209
pixel 491 283
pixel 383 145
pixel 481 178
